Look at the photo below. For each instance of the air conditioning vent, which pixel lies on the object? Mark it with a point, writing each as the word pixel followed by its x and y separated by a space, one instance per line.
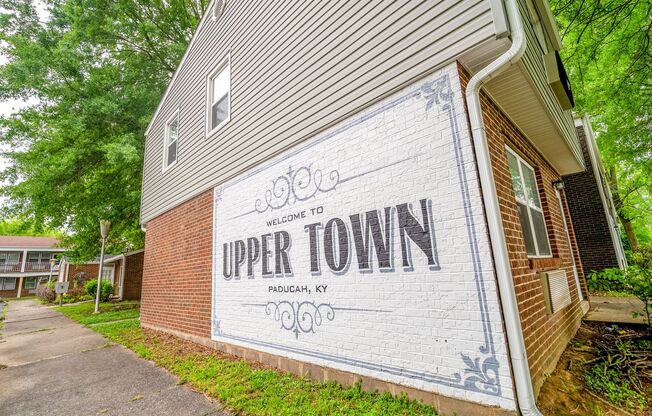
pixel 556 292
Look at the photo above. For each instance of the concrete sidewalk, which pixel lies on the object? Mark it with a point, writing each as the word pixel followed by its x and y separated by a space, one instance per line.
pixel 58 367
pixel 615 310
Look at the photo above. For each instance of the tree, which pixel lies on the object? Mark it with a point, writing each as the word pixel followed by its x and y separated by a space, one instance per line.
pixel 607 50
pixel 17 227
pixel 98 69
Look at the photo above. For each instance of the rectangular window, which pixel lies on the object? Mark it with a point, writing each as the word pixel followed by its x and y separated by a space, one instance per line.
pixel 528 203
pixel 38 257
pixel 8 283
pixel 171 140
pixel 219 97
pixel 107 274
pixel 9 258
pixel 30 282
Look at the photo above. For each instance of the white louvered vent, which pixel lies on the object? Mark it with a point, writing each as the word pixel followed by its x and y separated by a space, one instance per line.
pixel 555 289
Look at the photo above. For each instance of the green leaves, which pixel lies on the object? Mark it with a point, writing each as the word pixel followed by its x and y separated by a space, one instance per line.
pixel 607 51
pixel 98 69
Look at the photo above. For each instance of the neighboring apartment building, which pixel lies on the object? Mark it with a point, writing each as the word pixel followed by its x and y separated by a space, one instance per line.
pixel 123 271
pixel 24 261
pixel 592 208
pixel 370 191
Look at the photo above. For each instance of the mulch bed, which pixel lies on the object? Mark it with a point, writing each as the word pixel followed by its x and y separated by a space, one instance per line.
pixel 566 391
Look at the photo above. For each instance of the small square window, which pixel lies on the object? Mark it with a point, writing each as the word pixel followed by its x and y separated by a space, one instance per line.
pixel 171 140
pixel 219 98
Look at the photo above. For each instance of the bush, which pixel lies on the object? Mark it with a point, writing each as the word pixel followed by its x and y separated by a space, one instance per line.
pixel 607 280
pixel 105 292
pixel 45 292
pixel 638 282
pixel 76 294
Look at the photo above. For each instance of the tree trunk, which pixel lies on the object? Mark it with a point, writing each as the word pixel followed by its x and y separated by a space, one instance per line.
pixel 618 203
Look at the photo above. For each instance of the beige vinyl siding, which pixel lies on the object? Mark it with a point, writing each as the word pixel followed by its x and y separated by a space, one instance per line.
pixel 296 68
pixel 533 61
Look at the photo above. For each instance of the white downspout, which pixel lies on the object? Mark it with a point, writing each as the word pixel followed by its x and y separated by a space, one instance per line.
pixel 517 352
pixel 122 276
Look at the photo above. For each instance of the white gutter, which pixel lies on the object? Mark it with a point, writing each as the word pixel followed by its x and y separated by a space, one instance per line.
pixel 517 352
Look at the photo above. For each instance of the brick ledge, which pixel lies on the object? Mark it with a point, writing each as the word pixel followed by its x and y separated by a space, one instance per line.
pixel 545 264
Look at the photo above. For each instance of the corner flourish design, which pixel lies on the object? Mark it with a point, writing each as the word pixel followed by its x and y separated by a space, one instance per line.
pixel 481 374
pixel 436 92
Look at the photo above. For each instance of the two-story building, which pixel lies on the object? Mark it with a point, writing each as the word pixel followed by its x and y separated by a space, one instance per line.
pixel 370 191
pixel 592 208
pixel 24 262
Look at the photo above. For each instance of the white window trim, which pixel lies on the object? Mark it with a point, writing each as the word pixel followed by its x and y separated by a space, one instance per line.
pixel 224 62
pixel 174 115
pixel 529 206
pixel 112 270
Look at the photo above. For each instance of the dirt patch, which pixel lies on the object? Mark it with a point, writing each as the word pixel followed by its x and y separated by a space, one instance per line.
pixel 171 345
pixel 566 391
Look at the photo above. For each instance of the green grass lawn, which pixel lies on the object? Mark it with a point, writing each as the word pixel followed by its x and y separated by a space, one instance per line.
pixel 3 313
pixel 243 387
pixel 110 311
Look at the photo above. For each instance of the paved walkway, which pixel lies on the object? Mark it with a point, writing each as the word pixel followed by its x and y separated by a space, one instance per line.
pixel 58 367
pixel 616 310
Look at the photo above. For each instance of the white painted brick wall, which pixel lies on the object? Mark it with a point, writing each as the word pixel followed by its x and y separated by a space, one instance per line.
pixel 436 330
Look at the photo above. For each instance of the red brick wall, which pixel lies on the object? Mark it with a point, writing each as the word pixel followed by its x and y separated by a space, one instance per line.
pixel 90 270
pixel 546 335
pixel 176 290
pixel 591 225
pixel 8 294
pixel 133 279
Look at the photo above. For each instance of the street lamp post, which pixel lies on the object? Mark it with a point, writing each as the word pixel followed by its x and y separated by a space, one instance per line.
pixel 53 261
pixel 105 226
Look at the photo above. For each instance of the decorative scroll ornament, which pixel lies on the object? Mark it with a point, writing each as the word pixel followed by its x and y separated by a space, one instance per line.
pixel 299 317
pixel 296 186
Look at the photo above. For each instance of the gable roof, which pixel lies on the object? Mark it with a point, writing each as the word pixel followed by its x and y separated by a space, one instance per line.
pixel 28 242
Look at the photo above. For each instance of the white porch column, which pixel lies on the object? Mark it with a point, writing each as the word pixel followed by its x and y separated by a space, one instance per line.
pixel 20 286
pixel 24 262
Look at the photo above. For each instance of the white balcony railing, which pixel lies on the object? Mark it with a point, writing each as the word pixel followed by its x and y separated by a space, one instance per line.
pixel 37 267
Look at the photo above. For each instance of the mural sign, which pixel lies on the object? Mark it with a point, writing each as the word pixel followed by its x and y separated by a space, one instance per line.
pixel 365 250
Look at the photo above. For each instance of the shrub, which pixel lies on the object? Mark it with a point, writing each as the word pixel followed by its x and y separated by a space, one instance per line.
pixel 607 280
pixel 76 294
pixel 105 292
pixel 638 281
pixel 615 385
pixel 642 257
pixel 45 292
